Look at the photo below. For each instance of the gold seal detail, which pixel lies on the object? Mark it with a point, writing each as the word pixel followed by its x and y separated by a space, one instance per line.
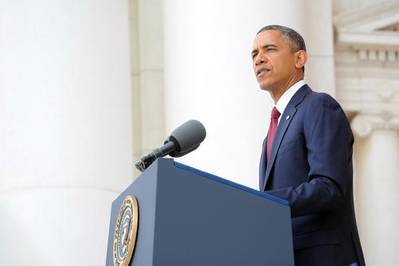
pixel 125 233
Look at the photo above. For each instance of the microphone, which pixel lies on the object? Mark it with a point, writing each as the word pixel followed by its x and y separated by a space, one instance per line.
pixel 184 139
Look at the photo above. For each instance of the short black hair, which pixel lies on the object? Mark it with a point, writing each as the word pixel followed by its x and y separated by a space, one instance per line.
pixel 293 38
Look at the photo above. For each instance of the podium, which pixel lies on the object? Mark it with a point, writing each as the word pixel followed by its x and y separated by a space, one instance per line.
pixel 187 217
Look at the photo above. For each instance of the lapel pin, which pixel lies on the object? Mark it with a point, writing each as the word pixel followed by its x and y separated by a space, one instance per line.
pixel 288 117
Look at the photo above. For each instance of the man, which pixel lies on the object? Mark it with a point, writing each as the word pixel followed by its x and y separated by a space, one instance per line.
pixel 307 154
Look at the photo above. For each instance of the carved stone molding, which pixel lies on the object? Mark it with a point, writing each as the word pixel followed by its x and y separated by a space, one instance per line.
pixel 372 32
pixel 367 62
pixel 383 55
pixel 364 124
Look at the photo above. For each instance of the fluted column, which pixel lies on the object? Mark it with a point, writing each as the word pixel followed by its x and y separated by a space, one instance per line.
pixel 65 128
pixel 377 175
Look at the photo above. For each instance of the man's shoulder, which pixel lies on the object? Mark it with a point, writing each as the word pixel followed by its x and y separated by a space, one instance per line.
pixel 319 106
pixel 316 99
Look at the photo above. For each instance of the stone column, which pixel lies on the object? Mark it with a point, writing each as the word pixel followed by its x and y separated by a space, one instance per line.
pixel 320 70
pixel 65 128
pixel 377 175
pixel 150 74
pixel 208 75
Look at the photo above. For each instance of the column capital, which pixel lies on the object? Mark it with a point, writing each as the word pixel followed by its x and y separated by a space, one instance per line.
pixel 363 124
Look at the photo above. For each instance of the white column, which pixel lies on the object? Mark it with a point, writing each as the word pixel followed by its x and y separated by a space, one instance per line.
pixel 320 70
pixel 376 188
pixel 208 75
pixel 151 74
pixel 65 130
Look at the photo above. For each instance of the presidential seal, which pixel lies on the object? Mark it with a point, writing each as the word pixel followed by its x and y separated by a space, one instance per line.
pixel 125 232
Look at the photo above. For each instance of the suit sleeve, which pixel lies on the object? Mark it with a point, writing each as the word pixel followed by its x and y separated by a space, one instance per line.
pixel 329 141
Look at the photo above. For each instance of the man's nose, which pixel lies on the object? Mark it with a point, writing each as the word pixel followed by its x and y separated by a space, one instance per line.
pixel 259 59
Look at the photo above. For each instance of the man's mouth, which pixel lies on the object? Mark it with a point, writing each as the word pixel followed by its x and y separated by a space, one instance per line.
pixel 261 71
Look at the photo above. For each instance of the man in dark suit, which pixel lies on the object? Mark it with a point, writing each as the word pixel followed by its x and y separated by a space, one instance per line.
pixel 307 154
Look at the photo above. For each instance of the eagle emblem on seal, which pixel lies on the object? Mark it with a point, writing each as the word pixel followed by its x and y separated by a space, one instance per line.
pixel 125 232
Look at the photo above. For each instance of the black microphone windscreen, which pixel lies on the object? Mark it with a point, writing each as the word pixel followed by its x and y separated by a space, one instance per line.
pixel 188 137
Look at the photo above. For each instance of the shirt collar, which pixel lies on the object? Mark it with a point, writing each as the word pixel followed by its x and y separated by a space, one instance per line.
pixel 287 95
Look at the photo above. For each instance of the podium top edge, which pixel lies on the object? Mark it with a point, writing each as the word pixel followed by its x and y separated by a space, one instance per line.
pixel 230 183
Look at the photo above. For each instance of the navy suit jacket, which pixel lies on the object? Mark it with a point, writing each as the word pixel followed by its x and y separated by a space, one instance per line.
pixel 310 166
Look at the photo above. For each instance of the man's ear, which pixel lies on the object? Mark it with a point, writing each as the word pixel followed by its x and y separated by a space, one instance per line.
pixel 301 57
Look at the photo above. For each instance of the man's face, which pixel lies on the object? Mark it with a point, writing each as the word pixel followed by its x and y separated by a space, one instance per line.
pixel 274 64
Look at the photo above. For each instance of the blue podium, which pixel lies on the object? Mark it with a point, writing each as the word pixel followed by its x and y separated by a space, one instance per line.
pixel 191 218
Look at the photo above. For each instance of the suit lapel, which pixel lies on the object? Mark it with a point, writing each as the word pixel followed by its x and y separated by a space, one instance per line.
pixel 281 129
pixel 285 121
pixel 262 165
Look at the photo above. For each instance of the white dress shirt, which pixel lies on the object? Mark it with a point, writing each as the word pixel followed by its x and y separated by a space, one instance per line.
pixel 286 97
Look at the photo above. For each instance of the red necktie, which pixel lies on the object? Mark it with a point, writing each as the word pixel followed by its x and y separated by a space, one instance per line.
pixel 272 131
